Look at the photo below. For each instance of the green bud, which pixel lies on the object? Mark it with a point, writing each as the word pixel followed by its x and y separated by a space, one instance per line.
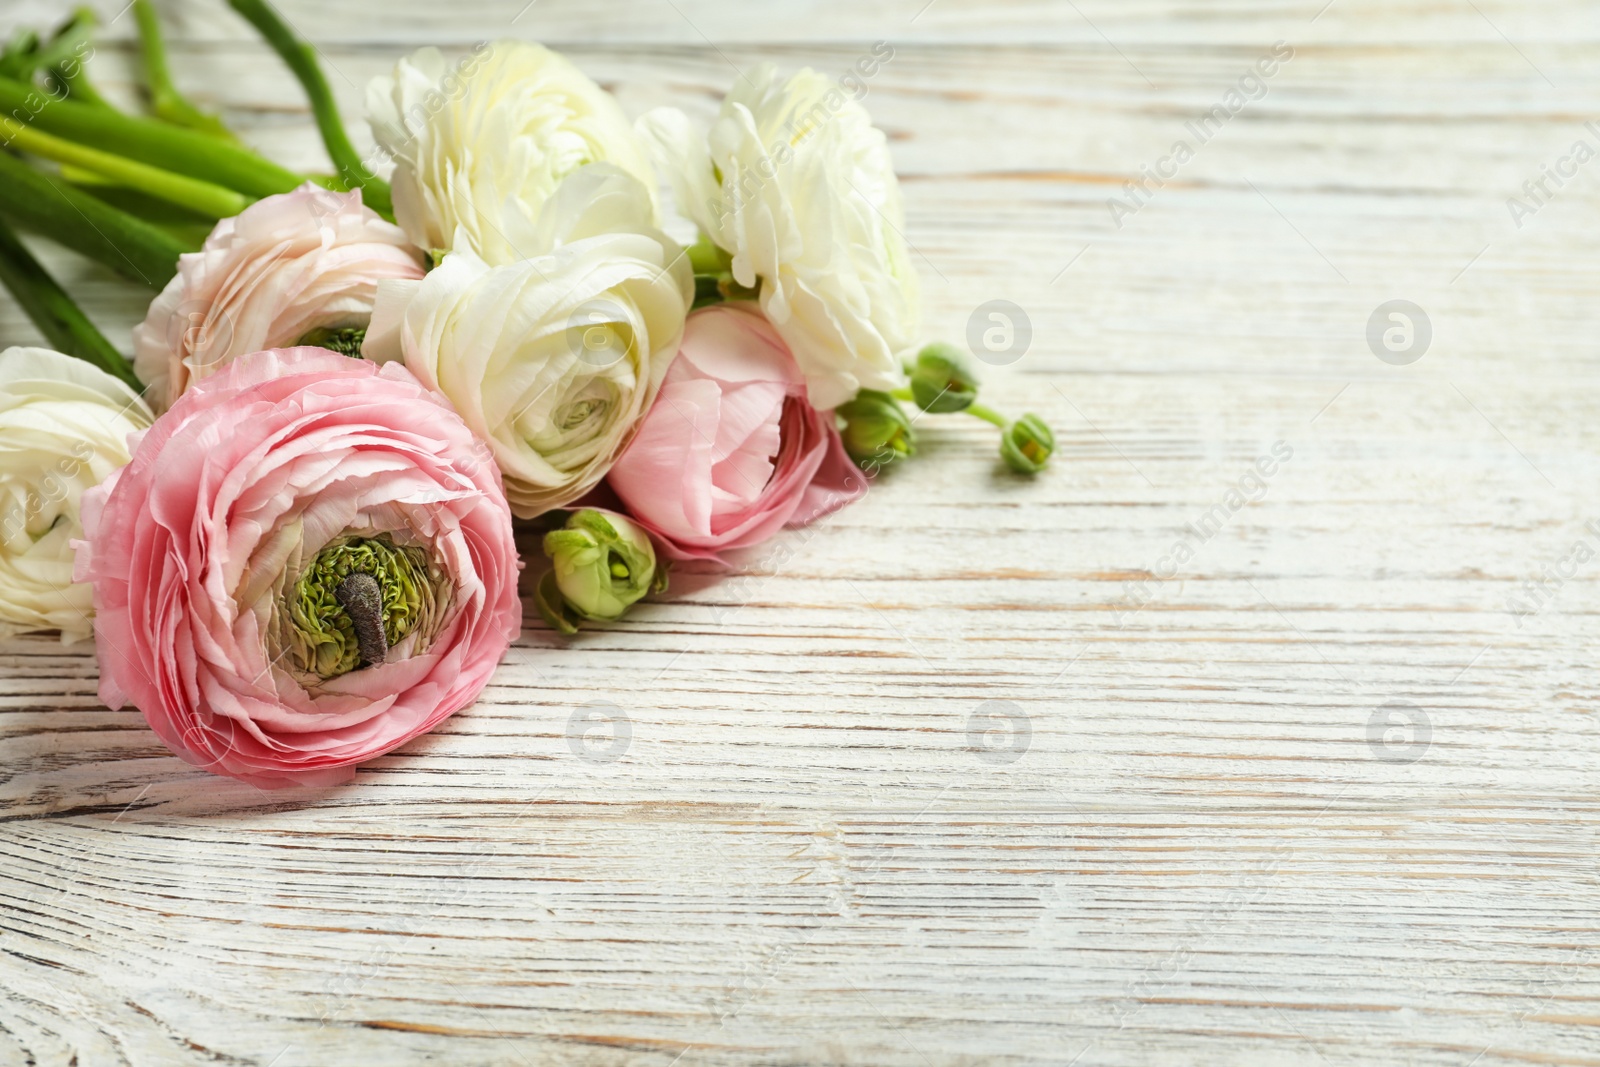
pixel 1026 445
pixel 602 563
pixel 942 381
pixel 875 429
pixel 344 340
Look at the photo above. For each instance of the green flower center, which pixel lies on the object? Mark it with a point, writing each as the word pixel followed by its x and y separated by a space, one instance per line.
pixel 345 340
pixel 328 625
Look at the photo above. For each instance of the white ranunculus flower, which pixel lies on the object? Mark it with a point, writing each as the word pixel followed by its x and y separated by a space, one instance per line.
pixel 64 426
pixel 480 147
pixel 553 360
pixel 795 183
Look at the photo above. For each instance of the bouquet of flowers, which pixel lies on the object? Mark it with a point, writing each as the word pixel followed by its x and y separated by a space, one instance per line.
pixel 288 520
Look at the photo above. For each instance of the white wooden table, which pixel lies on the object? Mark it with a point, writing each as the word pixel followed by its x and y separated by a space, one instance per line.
pixel 1315 795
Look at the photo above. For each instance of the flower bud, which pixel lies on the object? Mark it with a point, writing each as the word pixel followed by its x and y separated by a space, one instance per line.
pixel 602 564
pixel 1026 445
pixel 875 429
pixel 941 380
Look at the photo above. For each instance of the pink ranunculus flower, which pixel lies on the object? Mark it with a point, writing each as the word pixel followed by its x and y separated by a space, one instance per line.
pixel 308 562
pixel 731 451
pixel 297 264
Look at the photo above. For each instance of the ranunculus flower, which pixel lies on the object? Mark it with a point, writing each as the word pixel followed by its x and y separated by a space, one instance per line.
pixel 479 148
pixel 301 263
pixel 732 451
pixel 552 359
pixel 795 182
pixel 601 564
pixel 876 429
pixel 64 426
pixel 307 563
pixel 1026 444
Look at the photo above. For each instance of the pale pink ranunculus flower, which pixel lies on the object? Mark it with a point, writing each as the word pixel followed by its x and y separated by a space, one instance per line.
pixel 211 552
pixel 284 267
pixel 732 451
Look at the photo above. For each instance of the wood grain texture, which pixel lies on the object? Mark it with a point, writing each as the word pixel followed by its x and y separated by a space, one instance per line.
pixel 1204 847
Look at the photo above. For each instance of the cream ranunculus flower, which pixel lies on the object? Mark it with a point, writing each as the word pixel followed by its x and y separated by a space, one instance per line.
pixel 64 427
pixel 479 148
pixel 553 360
pixel 795 183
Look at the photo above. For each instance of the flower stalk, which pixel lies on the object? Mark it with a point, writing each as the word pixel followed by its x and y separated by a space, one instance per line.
pixel 187 227
pixel 70 47
pixel 150 141
pixel 301 58
pixel 62 57
pixel 166 102
pixel 713 275
pixel 987 414
pixel 36 201
pixel 73 78
pixel 199 196
pixel 942 382
pixel 706 258
pixel 62 322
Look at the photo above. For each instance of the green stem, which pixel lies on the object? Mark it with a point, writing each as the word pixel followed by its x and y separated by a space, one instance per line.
pixel 61 56
pixel 34 200
pixel 159 144
pixel 166 101
pixel 199 196
pixel 189 228
pixel 54 313
pixel 74 81
pixel 707 258
pixel 707 291
pixel 301 59
pixel 988 415
pixel 69 69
